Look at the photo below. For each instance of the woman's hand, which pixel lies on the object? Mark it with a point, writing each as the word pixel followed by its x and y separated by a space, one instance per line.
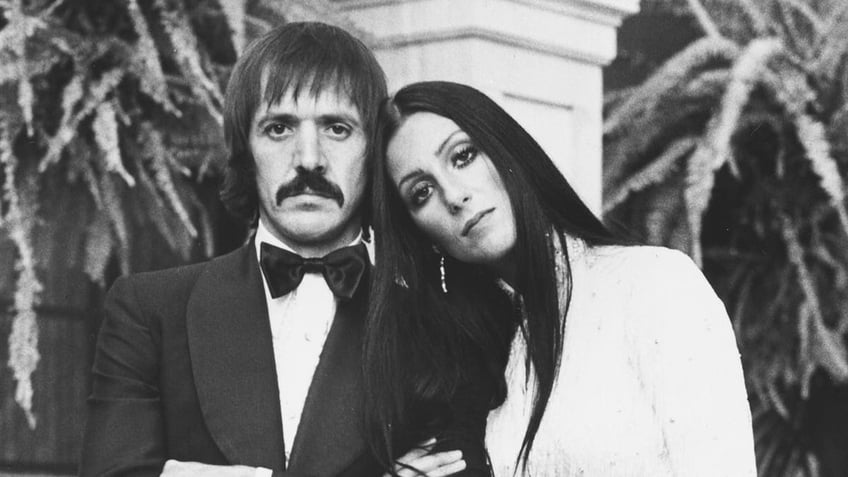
pixel 419 462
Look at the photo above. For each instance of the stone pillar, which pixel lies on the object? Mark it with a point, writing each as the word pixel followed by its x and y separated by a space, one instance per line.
pixel 539 59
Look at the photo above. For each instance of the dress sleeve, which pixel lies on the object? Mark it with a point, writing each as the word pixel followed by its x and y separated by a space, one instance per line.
pixel 688 356
pixel 466 430
pixel 124 431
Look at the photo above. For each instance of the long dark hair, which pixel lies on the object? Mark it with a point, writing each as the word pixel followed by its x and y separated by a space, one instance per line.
pixel 542 201
pixel 292 57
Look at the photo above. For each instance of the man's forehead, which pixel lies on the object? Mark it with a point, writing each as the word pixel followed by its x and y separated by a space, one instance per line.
pixel 328 96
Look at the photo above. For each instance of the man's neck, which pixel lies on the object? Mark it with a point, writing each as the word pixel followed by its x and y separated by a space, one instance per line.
pixel 317 248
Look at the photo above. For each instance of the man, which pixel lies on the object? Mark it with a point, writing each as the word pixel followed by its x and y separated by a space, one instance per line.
pixel 251 360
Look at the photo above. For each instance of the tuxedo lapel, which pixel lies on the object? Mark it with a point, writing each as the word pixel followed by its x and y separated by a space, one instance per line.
pixel 329 436
pixel 232 357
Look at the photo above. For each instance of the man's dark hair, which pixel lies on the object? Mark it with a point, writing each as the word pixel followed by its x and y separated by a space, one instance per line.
pixel 290 58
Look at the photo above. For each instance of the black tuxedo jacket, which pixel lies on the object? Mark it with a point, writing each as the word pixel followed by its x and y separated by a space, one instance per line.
pixel 184 370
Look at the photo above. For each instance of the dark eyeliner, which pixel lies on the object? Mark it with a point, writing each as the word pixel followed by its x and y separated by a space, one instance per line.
pixel 469 154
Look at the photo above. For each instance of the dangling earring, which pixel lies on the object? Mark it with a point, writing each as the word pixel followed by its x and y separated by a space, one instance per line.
pixel 442 273
pixel 441 268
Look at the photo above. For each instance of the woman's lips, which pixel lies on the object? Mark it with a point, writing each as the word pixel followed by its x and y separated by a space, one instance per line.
pixel 474 220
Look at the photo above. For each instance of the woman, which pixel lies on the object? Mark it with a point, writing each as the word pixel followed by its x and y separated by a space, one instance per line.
pixel 614 360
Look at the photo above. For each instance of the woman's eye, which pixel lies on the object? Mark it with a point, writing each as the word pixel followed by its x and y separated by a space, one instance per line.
pixel 339 130
pixel 420 194
pixel 464 156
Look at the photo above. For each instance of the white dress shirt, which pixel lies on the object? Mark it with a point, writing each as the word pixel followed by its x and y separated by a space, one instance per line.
pixel 300 322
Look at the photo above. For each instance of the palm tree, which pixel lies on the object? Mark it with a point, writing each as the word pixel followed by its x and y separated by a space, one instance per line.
pixel 735 150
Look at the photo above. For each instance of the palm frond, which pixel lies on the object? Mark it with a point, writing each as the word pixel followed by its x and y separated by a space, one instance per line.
pixel 157 163
pixel 235 12
pixel 715 150
pixel 758 19
pixel 151 199
pixel 105 128
pixel 113 205
pixel 663 209
pixel 704 19
pixel 657 171
pixel 146 62
pixel 18 220
pixel 13 38
pixel 73 115
pixel 99 248
pixel 187 55
pixel 830 50
pixel 812 136
pixel 818 346
pixel 700 54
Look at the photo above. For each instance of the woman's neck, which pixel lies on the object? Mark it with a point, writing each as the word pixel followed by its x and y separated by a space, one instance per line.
pixel 506 269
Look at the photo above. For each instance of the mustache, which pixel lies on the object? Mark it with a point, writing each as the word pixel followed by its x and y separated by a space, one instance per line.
pixel 315 182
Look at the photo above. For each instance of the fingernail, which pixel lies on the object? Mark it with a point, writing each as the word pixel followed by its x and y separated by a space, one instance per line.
pixel 431 441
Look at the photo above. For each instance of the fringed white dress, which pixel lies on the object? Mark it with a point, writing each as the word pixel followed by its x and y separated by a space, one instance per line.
pixel 650 383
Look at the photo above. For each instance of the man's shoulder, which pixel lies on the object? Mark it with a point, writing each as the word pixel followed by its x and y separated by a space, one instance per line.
pixel 179 279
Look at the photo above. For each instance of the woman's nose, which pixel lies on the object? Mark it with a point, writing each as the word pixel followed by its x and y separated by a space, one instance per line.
pixel 457 195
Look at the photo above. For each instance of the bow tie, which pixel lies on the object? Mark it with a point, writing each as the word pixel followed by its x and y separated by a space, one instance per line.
pixel 342 269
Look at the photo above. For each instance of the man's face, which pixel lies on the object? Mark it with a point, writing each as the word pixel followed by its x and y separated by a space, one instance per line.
pixel 310 169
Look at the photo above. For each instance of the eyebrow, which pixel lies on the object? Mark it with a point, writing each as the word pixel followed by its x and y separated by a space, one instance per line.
pixel 337 118
pixel 277 118
pixel 446 141
pixel 323 119
pixel 411 175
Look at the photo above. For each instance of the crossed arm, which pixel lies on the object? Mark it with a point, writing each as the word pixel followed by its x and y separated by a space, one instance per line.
pixel 418 462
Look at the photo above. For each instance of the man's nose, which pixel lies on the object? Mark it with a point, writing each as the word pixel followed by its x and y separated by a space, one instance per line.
pixel 308 151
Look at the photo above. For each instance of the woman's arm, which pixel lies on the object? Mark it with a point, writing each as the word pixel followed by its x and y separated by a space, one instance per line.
pixel 691 365
pixel 466 430
pixel 459 448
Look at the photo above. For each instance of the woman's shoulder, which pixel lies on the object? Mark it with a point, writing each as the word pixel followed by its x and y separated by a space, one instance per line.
pixel 646 280
pixel 635 262
pixel 634 254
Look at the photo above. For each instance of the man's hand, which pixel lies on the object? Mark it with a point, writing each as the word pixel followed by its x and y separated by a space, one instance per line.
pixel 419 462
pixel 175 468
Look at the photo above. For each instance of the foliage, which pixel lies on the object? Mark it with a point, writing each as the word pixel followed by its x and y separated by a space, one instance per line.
pixel 736 151
pixel 120 101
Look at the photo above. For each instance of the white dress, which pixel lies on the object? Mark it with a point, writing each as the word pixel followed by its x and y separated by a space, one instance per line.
pixel 650 383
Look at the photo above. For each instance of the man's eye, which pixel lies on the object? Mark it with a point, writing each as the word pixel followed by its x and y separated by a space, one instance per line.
pixel 420 194
pixel 276 130
pixel 464 156
pixel 339 130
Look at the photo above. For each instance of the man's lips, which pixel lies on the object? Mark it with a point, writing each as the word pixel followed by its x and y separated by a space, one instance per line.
pixel 473 221
pixel 310 192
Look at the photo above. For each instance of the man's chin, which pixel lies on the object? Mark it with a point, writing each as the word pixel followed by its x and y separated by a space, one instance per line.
pixel 308 223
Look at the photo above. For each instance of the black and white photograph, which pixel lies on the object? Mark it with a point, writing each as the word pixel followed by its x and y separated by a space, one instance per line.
pixel 424 238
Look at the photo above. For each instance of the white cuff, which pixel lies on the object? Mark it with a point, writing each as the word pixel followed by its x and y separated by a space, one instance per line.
pixel 263 472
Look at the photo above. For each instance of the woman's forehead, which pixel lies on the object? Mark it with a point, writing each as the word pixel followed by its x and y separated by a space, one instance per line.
pixel 420 136
pixel 425 131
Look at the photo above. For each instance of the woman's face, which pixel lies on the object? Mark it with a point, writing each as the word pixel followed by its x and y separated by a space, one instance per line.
pixel 451 189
